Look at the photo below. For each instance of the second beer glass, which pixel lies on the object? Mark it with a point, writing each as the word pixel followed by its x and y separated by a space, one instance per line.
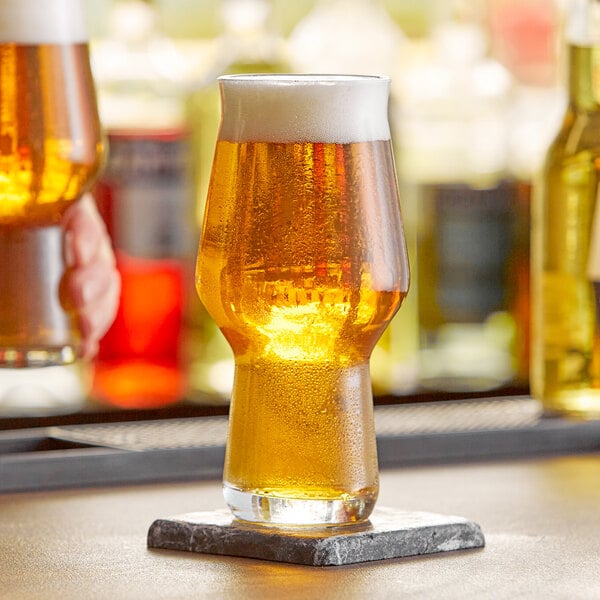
pixel 50 151
pixel 302 264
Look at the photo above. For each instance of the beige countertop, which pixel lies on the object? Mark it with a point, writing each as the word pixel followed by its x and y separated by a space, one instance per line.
pixel 541 519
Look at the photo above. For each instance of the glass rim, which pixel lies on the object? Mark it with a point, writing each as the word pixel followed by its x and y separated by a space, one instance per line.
pixel 303 78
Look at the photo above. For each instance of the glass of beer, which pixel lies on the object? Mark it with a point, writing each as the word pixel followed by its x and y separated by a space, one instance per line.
pixel 50 150
pixel 302 264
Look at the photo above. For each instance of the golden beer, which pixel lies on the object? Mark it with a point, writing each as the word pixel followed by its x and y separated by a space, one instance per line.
pixel 50 151
pixel 302 264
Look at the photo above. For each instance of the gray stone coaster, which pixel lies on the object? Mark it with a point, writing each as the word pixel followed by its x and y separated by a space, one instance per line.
pixel 388 534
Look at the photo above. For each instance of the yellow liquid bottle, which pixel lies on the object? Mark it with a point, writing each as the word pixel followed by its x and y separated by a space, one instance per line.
pixel 565 365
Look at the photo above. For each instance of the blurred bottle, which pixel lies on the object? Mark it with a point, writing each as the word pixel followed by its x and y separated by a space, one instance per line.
pixel 145 196
pixel 523 36
pixel 359 36
pixel 565 370
pixel 453 136
pixel 249 43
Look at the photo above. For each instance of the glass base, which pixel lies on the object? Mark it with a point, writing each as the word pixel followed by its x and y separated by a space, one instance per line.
pixel 294 512
pixel 12 358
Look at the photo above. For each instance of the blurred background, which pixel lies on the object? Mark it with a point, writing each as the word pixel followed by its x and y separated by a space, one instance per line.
pixel 477 94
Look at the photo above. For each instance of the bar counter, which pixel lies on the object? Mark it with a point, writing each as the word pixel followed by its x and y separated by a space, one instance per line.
pixel 540 517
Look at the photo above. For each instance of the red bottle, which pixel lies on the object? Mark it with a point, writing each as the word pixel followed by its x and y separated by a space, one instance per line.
pixel 145 196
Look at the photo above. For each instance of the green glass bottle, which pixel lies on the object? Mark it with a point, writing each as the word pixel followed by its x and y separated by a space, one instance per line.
pixel 565 361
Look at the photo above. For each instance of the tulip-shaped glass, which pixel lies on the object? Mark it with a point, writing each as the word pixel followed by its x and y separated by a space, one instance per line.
pixel 302 264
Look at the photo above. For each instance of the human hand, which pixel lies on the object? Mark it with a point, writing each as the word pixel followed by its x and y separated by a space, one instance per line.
pixel 91 281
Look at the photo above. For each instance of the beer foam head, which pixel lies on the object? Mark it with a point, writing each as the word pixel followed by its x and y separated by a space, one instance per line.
pixel 304 108
pixel 42 22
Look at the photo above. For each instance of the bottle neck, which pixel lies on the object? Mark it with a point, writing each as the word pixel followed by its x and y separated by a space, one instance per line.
pixel 584 77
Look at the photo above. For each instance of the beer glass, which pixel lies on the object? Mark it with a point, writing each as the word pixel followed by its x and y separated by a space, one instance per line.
pixel 50 150
pixel 302 263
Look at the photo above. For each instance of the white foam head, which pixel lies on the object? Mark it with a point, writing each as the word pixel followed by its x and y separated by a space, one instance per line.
pixel 42 22
pixel 304 108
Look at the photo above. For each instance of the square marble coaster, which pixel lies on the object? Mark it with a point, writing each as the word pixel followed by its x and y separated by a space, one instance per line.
pixel 388 534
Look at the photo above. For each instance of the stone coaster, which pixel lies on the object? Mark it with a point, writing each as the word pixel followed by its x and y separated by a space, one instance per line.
pixel 388 534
